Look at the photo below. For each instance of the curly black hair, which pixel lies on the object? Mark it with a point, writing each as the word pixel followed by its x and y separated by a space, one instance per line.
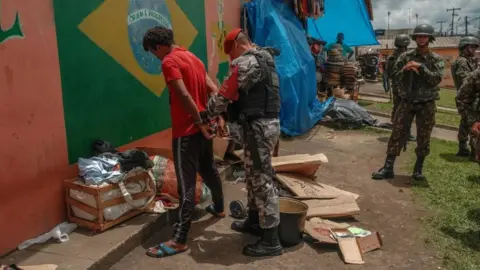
pixel 158 35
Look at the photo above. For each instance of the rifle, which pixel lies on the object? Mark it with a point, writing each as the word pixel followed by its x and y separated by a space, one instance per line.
pixel 407 85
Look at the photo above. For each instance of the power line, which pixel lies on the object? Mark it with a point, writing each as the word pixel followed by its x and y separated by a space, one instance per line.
pixel 453 16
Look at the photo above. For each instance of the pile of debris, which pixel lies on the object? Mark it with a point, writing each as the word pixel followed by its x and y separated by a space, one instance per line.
pixel 296 176
pixel 296 173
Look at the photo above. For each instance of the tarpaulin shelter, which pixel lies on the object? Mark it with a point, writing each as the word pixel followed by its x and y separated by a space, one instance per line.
pixel 350 17
pixel 273 23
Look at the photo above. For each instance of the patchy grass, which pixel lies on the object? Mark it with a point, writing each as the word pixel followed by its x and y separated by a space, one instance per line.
pixel 453 199
pixel 442 117
pixel 447 98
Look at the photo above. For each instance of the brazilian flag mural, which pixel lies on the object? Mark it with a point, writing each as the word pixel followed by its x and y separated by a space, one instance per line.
pixel 112 89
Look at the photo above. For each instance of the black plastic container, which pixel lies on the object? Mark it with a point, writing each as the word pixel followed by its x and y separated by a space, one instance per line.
pixel 293 214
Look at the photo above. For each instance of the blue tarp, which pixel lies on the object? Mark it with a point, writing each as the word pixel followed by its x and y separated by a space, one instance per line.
pixel 274 24
pixel 347 16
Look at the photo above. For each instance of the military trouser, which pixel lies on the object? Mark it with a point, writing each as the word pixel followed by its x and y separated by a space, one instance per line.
pixel 477 148
pixel 396 102
pixel 259 142
pixel 425 114
pixel 465 134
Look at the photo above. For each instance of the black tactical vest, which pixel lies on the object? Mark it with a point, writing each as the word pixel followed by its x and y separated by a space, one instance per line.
pixel 263 99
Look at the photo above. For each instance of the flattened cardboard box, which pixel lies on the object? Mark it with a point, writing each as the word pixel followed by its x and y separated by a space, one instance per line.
pixel 306 188
pixel 370 243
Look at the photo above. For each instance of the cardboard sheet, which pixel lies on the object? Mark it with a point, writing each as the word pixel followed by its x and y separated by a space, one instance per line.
pixel 305 188
pixel 320 229
pixel 343 206
pixel 370 243
pixel 303 164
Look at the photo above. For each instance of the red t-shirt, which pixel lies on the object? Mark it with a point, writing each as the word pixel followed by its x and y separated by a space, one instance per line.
pixel 184 65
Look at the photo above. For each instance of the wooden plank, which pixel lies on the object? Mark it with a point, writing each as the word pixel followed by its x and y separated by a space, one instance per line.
pixel 86 208
pixel 85 223
pixel 86 189
pixel 132 213
pixel 343 206
pixel 121 200
pixel 130 179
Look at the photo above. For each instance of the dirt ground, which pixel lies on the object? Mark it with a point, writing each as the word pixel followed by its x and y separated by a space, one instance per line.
pixel 386 207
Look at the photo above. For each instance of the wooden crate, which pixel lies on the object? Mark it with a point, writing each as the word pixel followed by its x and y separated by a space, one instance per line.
pixel 100 224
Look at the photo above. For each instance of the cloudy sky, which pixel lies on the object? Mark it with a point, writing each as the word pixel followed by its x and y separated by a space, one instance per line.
pixel 429 11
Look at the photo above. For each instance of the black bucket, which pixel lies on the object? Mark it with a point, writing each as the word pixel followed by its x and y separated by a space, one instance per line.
pixel 293 214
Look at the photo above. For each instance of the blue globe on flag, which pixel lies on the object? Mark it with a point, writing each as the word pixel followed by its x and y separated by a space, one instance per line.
pixel 143 15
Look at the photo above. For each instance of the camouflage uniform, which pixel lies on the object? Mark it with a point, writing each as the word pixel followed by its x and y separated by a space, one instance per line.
pixel 390 76
pixel 425 91
pixel 461 67
pixel 465 99
pixel 264 134
pixel 418 93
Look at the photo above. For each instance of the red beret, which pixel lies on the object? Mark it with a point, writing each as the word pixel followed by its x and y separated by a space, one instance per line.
pixel 229 39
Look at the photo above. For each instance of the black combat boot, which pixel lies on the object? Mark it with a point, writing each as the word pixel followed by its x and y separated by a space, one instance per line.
pixel 269 245
pixel 473 156
pixel 250 225
pixel 463 150
pixel 386 172
pixel 417 170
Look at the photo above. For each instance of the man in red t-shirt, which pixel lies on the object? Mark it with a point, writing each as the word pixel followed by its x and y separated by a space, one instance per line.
pixel 189 87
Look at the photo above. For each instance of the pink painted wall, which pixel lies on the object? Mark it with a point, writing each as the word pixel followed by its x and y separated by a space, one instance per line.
pixel 221 16
pixel 33 155
pixel 33 144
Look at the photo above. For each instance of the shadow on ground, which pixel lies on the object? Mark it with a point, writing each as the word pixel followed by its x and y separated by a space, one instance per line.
pixel 474 179
pixel 212 247
pixel 470 238
pixel 451 157
pixel 406 181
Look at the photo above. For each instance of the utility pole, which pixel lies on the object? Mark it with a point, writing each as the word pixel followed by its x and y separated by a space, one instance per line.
pixel 416 19
pixel 466 26
pixel 441 27
pixel 456 28
pixel 478 28
pixel 453 16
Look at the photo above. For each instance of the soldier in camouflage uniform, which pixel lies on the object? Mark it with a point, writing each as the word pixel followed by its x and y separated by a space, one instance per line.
pixel 419 72
pixel 461 67
pixel 467 107
pixel 251 93
pixel 401 43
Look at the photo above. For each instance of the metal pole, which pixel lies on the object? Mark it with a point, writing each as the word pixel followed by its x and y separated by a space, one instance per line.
pixel 388 27
pixel 466 26
pixel 453 16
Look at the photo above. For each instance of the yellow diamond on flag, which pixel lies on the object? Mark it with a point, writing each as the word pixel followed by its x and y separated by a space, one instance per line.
pixel 117 26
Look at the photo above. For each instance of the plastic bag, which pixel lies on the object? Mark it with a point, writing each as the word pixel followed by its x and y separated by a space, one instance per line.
pixel 350 114
pixel 60 232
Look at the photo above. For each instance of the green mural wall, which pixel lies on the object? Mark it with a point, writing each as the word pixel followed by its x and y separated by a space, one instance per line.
pixel 104 96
